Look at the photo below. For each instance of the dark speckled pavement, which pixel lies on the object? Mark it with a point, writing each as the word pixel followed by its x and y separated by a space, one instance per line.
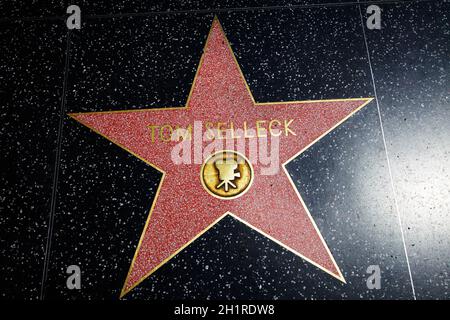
pixel 378 186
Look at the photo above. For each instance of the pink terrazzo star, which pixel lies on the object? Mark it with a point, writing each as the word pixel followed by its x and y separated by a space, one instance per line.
pixel 183 209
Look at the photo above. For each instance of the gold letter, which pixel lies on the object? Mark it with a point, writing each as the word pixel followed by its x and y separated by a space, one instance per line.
pixel 161 133
pixel 233 132
pixel 278 132
pixel 246 135
pixel 220 131
pixel 260 132
pixel 153 132
pixel 209 131
pixel 286 127
pixel 182 133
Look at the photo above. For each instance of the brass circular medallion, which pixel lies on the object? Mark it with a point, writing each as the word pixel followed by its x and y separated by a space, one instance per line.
pixel 226 174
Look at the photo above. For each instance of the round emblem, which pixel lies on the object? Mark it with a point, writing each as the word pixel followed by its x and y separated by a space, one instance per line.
pixel 226 174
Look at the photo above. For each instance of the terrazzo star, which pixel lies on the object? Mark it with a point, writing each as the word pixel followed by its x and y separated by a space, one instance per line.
pixel 192 198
